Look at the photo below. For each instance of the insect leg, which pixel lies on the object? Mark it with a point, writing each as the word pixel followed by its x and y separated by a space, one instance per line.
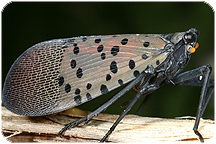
pixel 195 79
pixel 149 73
pixel 189 77
pixel 202 103
pixel 104 106
pixel 196 82
pixel 143 104
pixel 121 117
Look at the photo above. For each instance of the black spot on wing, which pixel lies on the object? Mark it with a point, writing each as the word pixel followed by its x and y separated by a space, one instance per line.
pixel 84 39
pixel 97 40
pixel 131 64
pixel 120 82
pixel 144 56
pixel 115 50
pixel 77 91
pixel 78 99
pixel 61 81
pixel 88 96
pixel 100 48
pixel 136 73
pixel 124 41
pixel 73 63
pixel 157 62
pixel 146 44
pixel 108 77
pixel 113 67
pixel 67 88
pixel 103 56
pixel 79 73
pixel 103 89
pixel 88 86
pixel 76 49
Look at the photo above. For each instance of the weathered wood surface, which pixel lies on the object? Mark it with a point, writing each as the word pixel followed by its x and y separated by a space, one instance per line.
pixel 131 129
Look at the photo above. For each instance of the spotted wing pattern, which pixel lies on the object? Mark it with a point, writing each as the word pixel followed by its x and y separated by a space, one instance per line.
pixel 59 74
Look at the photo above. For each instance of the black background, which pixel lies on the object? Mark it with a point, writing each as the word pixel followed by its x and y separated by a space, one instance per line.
pixel 25 24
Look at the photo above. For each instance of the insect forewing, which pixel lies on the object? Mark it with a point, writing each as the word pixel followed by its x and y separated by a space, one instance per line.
pixel 59 74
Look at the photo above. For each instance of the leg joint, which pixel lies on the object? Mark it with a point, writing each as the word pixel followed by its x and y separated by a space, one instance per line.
pixel 149 69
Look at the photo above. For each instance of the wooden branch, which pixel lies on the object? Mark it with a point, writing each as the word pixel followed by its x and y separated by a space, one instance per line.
pixel 131 129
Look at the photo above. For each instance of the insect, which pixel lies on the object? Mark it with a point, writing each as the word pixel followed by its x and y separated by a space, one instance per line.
pixel 59 74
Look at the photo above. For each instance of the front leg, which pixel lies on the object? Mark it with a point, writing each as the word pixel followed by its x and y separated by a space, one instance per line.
pixel 195 78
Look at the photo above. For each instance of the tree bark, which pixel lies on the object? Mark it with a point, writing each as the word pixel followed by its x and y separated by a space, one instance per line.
pixel 132 128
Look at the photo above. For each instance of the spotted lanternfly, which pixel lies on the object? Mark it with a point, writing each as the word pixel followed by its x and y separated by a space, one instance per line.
pixel 59 74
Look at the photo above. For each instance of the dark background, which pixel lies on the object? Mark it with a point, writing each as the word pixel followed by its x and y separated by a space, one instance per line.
pixel 25 24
